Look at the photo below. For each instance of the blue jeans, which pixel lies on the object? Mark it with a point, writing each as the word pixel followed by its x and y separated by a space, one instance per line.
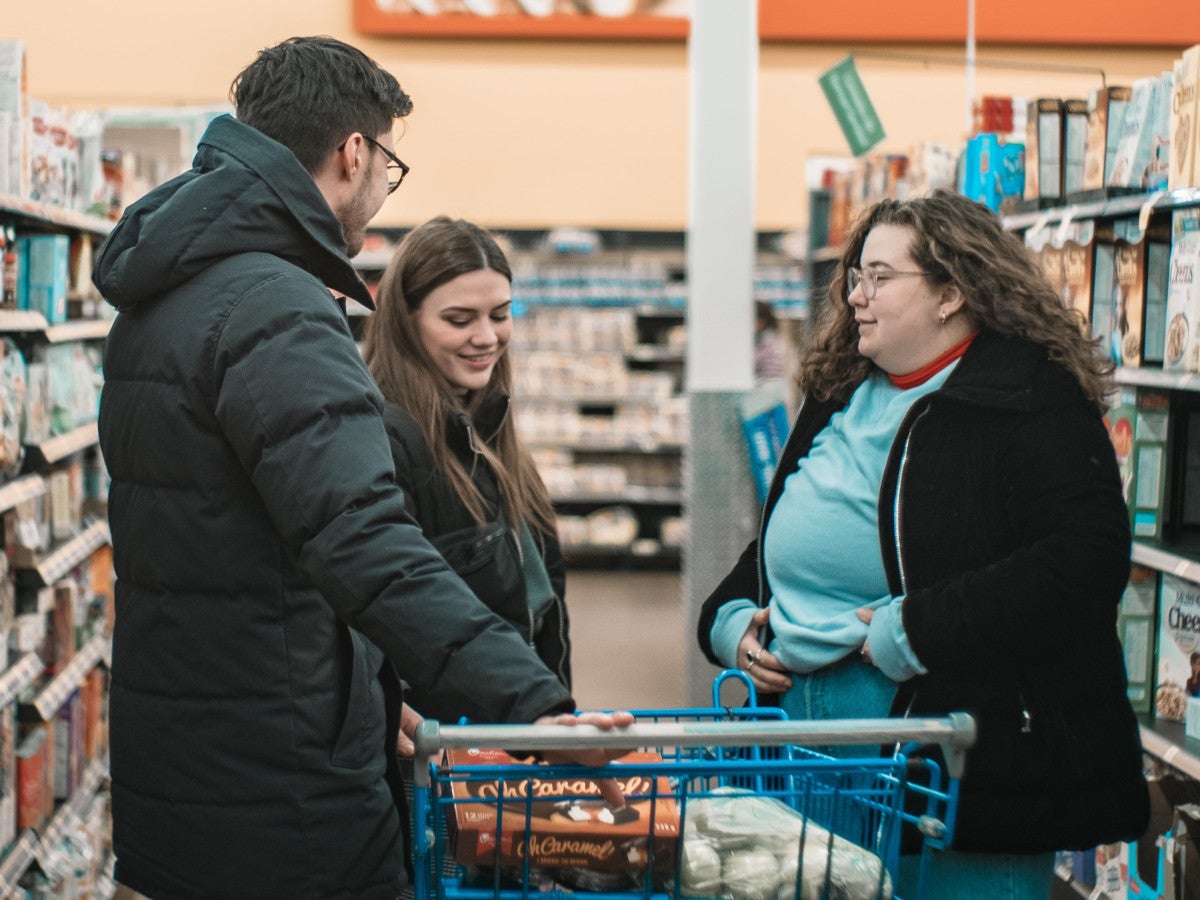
pixel 852 688
pixel 980 876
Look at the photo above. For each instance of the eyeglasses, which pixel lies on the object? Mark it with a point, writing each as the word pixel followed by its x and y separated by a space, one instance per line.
pixel 395 165
pixel 871 279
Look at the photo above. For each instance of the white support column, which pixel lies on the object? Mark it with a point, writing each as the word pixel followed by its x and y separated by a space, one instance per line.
pixel 723 74
pixel 720 501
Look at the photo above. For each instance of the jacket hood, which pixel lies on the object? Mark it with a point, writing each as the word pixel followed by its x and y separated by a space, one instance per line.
pixel 244 193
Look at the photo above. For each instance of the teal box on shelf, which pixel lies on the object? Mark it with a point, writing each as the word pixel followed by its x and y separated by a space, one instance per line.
pixel 47 266
pixel 993 171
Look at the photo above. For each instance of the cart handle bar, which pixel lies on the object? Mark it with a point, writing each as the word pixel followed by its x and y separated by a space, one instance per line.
pixel 955 733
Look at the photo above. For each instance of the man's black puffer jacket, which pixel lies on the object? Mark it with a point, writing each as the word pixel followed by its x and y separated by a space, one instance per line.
pixel 263 555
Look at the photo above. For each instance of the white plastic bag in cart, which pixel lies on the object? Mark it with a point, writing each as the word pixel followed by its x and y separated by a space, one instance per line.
pixel 742 846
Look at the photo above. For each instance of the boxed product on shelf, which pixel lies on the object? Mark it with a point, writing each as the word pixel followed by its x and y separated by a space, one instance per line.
pixel 14 100
pixel 69 761
pixel 1104 302
pixel 35 768
pixel 1106 116
pixel 65 483
pixel 1151 430
pixel 1077 254
pixel 53 156
pixel 1044 149
pixel 1136 628
pixel 1181 351
pixel 13 385
pixel 1075 120
pixel 8 774
pixel 1185 121
pixel 47 269
pixel 1143 129
pixel 1131 313
pixel 1177 667
pixel 993 171
pixel 1158 280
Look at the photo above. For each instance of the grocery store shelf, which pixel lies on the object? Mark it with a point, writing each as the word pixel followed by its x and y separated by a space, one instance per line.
pixel 1177 381
pixel 78 330
pixel 595 446
pixel 15 321
pixel 51 698
pixel 19 858
pixel 1164 560
pixel 651 353
pixel 1114 207
pixel 66 556
pixel 57 215
pixel 631 494
pixel 21 489
pixel 18 677
pixel 63 445
pixel 72 810
pixel 1166 741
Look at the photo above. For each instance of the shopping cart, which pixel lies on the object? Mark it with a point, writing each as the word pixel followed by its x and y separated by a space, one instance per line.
pixel 727 802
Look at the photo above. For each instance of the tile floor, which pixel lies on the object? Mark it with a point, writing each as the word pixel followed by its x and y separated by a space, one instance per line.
pixel 628 637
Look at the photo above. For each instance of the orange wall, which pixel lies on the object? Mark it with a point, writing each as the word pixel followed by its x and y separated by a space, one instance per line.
pixel 530 133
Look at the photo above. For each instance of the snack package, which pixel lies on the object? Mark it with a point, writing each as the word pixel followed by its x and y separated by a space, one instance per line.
pixel 570 827
pixel 738 845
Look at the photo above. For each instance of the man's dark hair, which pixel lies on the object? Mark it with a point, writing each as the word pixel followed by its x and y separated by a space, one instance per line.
pixel 311 93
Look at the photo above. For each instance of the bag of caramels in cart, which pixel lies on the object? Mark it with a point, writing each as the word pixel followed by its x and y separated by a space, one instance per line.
pixel 562 826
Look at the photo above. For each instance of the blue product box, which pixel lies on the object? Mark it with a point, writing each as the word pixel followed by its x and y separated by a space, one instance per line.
pixel 47 267
pixel 993 170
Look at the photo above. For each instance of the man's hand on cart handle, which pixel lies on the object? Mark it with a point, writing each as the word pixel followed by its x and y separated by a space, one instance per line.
pixel 763 667
pixel 610 791
pixel 410 719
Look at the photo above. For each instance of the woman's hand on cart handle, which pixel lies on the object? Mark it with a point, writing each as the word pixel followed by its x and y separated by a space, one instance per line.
pixel 763 667
pixel 610 791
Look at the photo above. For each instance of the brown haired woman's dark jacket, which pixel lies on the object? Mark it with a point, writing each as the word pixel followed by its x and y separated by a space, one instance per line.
pixel 1003 525
pixel 487 557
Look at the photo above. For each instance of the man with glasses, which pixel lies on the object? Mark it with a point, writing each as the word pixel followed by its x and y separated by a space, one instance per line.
pixel 271 592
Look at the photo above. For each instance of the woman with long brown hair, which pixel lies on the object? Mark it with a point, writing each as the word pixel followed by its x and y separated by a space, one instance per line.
pixel 436 345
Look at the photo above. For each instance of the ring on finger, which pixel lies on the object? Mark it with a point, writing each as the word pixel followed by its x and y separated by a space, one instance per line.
pixel 751 666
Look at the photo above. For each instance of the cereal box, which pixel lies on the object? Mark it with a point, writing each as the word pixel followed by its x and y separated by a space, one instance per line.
pixel 1177 691
pixel 1044 149
pixel 568 824
pixel 1181 352
pixel 1135 148
pixel 1185 122
pixel 1135 627
pixel 1150 431
pixel 1129 282
pixel 1106 116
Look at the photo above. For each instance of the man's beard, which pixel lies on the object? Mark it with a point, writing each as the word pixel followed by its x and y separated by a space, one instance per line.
pixel 354 217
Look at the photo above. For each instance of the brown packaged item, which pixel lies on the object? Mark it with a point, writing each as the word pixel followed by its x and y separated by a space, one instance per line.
pixel 1106 115
pixel 569 825
pixel 1185 121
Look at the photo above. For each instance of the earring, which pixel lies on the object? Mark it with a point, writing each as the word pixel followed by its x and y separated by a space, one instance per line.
pixel 942 317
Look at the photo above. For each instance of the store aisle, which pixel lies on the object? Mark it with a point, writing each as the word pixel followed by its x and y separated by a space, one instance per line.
pixel 628 635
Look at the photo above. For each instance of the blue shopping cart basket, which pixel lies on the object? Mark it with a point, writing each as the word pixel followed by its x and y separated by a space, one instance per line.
pixel 727 802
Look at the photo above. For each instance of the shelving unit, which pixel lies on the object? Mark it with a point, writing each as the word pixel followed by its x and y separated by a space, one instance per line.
pixel 47 469
pixel 1161 739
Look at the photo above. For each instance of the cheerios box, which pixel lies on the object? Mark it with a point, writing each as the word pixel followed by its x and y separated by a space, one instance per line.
pixel 516 813
pixel 1182 350
pixel 1177 690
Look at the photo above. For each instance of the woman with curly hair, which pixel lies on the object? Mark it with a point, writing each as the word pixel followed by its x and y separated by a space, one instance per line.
pixel 945 531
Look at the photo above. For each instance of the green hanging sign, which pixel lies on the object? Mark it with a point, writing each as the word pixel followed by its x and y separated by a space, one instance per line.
pixel 855 115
